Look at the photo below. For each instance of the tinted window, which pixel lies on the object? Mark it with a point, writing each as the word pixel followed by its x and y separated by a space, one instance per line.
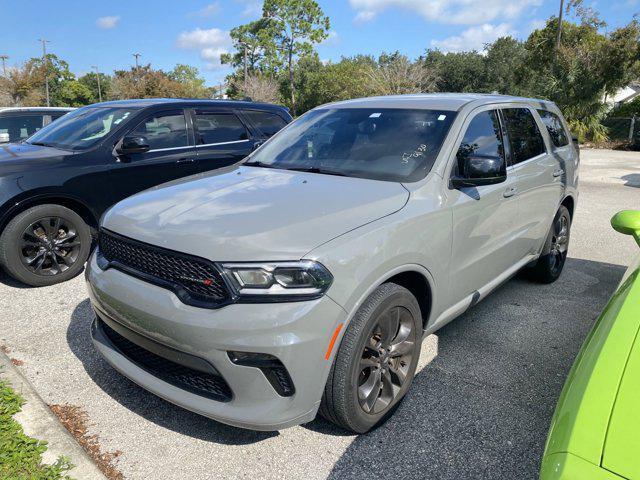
pixel 554 127
pixel 218 128
pixel 81 128
pixel 524 137
pixel 482 138
pixel 389 144
pixel 268 123
pixel 167 130
pixel 20 127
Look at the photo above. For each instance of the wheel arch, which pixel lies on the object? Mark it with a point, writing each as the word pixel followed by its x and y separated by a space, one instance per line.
pixel 72 203
pixel 570 203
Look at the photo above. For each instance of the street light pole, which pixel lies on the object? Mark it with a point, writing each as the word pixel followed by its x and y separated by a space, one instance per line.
pixel 137 55
pixel 98 77
pixel 559 32
pixel 4 66
pixel 46 68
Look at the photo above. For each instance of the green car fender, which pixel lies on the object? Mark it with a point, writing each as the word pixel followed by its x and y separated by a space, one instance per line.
pixel 579 428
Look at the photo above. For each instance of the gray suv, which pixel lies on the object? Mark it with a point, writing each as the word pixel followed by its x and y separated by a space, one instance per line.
pixel 303 279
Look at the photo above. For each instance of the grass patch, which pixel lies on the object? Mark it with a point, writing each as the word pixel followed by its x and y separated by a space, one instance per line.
pixel 20 455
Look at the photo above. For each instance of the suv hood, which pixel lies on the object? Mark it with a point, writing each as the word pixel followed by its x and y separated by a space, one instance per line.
pixel 23 157
pixel 253 214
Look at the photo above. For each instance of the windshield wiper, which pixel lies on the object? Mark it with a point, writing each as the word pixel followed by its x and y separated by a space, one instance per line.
pixel 259 164
pixel 317 170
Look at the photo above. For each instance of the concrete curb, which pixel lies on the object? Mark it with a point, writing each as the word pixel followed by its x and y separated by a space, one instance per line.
pixel 38 421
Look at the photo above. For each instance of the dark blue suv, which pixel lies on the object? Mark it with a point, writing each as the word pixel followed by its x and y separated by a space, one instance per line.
pixel 55 185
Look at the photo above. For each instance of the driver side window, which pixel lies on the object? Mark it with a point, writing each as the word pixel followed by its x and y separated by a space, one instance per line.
pixel 167 130
pixel 483 138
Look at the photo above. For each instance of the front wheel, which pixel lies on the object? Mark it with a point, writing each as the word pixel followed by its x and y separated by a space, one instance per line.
pixel 376 361
pixel 554 254
pixel 45 245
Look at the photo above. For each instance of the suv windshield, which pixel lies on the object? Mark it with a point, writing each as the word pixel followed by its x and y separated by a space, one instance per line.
pixel 80 129
pixel 389 144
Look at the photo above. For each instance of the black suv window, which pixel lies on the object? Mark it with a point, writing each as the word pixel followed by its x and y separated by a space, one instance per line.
pixel 554 127
pixel 219 128
pixel 164 130
pixel 525 138
pixel 482 138
pixel 268 123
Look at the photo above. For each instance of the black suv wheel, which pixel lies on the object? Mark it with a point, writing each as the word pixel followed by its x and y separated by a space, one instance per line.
pixel 44 245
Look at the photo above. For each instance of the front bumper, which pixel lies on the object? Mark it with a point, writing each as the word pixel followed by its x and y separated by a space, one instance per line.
pixel 566 466
pixel 296 333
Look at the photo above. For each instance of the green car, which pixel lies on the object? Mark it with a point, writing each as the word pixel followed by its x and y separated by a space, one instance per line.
pixel 595 431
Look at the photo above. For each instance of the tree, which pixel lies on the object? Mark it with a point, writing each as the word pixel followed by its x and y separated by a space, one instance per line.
pixel 73 93
pixel 292 27
pixel 457 71
pixel 503 67
pixel 90 80
pixel 193 85
pixel 21 87
pixel 258 86
pixel 249 45
pixel 145 82
pixel 395 74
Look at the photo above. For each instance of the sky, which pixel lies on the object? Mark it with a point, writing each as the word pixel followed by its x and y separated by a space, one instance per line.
pixel 107 34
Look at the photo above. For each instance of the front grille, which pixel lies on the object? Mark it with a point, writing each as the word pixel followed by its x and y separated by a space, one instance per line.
pixel 201 383
pixel 195 280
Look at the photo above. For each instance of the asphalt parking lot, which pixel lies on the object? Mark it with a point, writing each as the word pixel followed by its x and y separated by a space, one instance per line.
pixel 480 405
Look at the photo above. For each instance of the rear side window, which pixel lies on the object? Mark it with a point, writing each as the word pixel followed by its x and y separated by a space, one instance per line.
pixel 482 138
pixel 219 128
pixel 268 123
pixel 167 130
pixel 525 138
pixel 554 127
pixel 20 127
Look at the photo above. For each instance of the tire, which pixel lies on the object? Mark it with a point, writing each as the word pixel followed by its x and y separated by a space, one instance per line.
pixel 554 253
pixel 344 401
pixel 45 245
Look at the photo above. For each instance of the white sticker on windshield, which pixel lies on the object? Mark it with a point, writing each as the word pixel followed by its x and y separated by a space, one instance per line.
pixel 442 117
pixel 375 115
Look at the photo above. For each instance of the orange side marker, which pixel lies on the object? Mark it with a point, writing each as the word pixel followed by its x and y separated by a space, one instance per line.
pixel 333 341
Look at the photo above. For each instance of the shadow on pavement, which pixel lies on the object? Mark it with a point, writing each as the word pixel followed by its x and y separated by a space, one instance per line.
pixel 140 401
pixel 480 409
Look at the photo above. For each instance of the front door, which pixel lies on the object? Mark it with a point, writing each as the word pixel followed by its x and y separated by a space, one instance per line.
pixel 484 218
pixel 169 156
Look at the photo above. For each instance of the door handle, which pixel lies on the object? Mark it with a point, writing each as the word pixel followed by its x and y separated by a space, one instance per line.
pixel 558 173
pixel 184 160
pixel 510 192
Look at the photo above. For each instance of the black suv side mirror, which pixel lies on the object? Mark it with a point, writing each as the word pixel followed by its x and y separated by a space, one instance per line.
pixel 478 170
pixel 134 145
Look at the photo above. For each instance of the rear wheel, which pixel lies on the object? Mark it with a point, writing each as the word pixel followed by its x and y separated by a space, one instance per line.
pixel 554 254
pixel 376 361
pixel 44 245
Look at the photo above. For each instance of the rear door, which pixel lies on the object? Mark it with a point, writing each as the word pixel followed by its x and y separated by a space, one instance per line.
pixel 484 218
pixel 170 154
pixel 221 137
pixel 540 175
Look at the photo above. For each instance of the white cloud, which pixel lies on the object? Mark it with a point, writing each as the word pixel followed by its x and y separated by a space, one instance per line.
pixel 252 8
pixel 211 43
pixel 474 38
pixel 332 39
pixel 108 22
pixel 464 12
pixel 208 11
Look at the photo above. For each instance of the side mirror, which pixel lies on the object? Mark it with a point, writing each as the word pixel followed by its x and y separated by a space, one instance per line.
pixel 627 222
pixel 478 170
pixel 133 145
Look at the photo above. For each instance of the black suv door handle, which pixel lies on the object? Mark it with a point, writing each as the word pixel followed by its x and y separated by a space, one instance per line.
pixel 184 160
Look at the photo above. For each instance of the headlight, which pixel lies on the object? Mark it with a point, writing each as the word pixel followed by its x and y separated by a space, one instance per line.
pixel 278 281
